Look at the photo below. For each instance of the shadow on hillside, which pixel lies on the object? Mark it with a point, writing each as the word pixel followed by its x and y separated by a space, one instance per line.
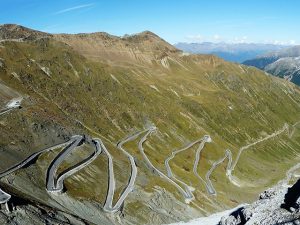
pixel 291 197
pixel 239 216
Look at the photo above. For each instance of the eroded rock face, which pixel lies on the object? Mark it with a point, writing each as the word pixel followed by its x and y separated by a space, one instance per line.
pixel 278 205
pixel 25 214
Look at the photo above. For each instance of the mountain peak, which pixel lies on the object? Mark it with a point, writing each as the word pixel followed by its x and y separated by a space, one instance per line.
pixel 15 31
pixel 137 48
pixel 144 34
pixel 150 40
pixel 148 33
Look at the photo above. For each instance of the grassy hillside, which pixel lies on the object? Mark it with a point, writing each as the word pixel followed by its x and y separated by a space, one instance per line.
pixel 110 87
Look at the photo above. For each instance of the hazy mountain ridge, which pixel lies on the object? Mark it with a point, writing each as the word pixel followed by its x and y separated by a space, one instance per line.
pixel 238 52
pixel 111 87
pixel 284 63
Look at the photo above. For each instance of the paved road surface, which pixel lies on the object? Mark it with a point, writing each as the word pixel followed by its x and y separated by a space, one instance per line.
pixel 29 159
pixel 284 128
pixel 51 182
pixel 206 138
pixel 74 169
pixel 231 165
pixel 4 197
pixel 186 195
pixel 108 205
pixel 228 155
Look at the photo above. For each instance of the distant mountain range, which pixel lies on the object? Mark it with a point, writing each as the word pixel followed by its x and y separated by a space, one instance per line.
pixel 284 63
pixel 239 52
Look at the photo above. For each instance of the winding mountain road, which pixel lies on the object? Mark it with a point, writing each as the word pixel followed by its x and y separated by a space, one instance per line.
pixel 231 169
pixel 52 184
pixel 4 197
pixel 108 205
pixel 231 166
pixel 29 159
pixel 55 184
pixel 51 181
pixel 202 141
pixel 215 164
pixel 14 103
pixel 74 169
pixel 186 195
pixel 205 139
pixel 289 174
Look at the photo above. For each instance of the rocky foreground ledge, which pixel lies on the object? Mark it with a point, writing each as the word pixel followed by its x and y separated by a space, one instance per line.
pixel 277 205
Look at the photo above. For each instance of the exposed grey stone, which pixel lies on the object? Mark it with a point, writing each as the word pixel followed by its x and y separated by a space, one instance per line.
pixel 277 205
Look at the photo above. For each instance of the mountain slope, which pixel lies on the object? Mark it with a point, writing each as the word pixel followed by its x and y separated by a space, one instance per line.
pixel 284 63
pixel 19 33
pixel 143 47
pixel 108 87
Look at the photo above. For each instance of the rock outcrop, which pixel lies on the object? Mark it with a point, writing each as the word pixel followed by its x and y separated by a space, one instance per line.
pixel 277 205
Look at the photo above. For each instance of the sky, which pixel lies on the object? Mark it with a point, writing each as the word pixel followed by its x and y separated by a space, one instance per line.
pixel 234 21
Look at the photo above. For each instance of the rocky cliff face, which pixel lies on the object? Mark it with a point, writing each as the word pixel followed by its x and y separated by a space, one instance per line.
pixel 277 205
